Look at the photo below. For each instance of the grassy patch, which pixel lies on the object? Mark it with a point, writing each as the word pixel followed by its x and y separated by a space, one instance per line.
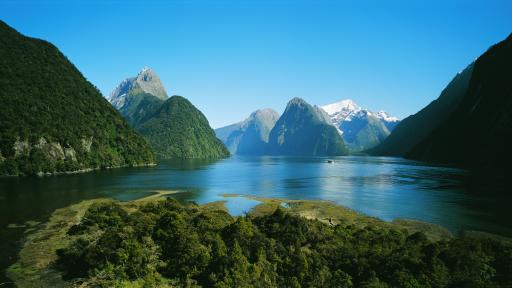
pixel 333 214
pixel 33 268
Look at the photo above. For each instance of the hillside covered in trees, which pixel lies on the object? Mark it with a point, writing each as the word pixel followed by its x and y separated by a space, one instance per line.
pixel 177 129
pixel 52 119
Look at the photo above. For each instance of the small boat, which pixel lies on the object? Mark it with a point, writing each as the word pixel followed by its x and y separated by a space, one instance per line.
pixel 330 161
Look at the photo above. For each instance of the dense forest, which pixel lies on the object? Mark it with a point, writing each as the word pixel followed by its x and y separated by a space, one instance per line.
pixel 52 119
pixel 176 129
pixel 169 244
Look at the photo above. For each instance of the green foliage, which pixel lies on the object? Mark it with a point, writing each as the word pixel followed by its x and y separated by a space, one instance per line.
pixel 166 242
pixel 44 96
pixel 177 129
pixel 139 106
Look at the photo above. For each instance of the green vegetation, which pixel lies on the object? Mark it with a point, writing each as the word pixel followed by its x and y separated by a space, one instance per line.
pixel 139 106
pixel 177 129
pixel 52 119
pixel 164 243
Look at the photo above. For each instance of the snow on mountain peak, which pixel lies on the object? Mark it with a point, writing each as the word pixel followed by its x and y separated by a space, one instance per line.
pixel 343 105
pixel 385 116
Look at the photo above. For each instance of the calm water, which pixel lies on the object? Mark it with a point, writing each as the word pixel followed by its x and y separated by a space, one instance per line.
pixel 387 188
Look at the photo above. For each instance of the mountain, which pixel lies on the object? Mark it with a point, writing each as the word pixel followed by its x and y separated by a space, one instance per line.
pixel 477 133
pixel 177 129
pixel 250 136
pixel 146 82
pixel 360 128
pixel 306 131
pixel 137 96
pixel 413 129
pixel 52 119
pixel 173 126
pixel 389 121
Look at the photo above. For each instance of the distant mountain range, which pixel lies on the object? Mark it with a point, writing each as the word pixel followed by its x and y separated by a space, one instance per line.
pixel 470 124
pixel 301 130
pixel 52 119
pixel 250 136
pixel 361 128
pixel 173 126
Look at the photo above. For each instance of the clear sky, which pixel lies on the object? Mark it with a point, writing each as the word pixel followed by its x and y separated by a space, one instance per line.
pixel 232 57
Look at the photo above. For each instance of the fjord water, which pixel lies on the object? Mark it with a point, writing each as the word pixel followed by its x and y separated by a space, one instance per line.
pixel 386 188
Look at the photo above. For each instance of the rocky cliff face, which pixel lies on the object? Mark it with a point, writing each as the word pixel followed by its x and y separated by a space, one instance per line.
pixel 147 81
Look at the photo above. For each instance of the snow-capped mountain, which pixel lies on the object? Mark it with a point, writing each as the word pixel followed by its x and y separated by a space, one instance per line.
pixel 339 111
pixel 360 128
pixel 388 120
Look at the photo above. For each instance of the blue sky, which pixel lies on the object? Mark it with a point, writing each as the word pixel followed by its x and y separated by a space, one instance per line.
pixel 232 57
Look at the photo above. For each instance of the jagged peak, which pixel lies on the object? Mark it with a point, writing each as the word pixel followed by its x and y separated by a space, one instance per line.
pixel 146 80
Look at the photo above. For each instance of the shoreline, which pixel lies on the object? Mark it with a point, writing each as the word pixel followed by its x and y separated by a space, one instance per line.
pixel 79 171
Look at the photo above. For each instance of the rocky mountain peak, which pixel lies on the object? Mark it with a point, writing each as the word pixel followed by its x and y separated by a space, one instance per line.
pixel 147 81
